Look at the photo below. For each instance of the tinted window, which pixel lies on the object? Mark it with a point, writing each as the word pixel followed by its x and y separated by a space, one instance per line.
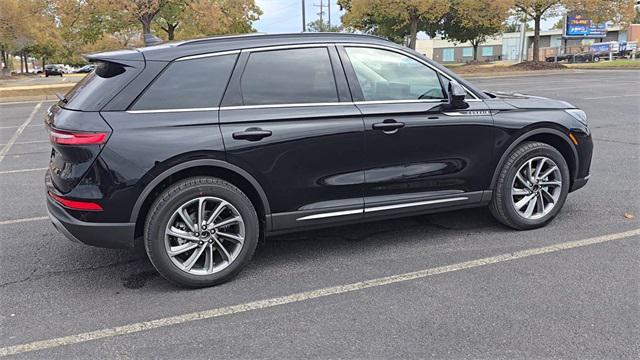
pixel 386 75
pixel 187 84
pixel 288 77
pixel 98 87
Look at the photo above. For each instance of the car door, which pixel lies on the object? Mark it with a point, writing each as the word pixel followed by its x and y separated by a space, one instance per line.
pixel 287 118
pixel 420 153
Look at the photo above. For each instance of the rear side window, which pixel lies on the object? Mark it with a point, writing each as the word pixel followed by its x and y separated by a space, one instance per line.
pixel 188 84
pixel 289 77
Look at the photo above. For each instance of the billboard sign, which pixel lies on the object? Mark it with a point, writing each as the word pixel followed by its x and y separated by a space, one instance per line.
pixel 577 26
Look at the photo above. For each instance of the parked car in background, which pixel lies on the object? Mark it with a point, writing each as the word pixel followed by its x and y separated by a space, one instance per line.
pixel 198 149
pixel 557 58
pixel 53 69
pixel 584 57
pixel 85 69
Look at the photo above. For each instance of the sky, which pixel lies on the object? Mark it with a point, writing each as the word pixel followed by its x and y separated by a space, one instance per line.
pixel 286 15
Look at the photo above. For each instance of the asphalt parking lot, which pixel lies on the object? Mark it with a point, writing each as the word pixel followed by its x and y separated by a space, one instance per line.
pixel 569 290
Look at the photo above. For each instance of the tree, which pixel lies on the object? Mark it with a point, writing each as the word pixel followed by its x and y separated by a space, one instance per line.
pixel 321 26
pixel 395 19
pixel 26 28
pixel 475 20
pixel 221 17
pixel 170 17
pixel 513 24
pixel 618 11
pixel 559 24
pixel 537 10
pixel 144 11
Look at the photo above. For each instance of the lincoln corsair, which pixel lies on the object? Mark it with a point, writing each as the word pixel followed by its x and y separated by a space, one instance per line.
pixel 198 149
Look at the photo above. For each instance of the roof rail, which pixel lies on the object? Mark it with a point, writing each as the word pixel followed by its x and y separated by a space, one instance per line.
pixel 279 35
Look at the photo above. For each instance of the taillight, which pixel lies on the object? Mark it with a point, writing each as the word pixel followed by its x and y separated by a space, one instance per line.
pixel 76 205
pixel 77 138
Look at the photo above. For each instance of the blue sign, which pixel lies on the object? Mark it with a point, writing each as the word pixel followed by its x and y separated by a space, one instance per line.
pixel 602 47
pixel 579 26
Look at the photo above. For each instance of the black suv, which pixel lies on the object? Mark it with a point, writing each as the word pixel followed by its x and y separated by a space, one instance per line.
pixel 53 70
pixel 197 149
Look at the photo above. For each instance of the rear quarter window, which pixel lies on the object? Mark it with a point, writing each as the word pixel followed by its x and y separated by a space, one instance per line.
pixel 98 87
pixel 188 84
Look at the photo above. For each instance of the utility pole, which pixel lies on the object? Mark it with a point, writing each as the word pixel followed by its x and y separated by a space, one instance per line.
pixel 321 13
pixel 329 13
pixel 304 22
pixel 523 39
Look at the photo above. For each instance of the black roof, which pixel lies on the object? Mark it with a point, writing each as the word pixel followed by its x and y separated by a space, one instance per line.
pixel 172 50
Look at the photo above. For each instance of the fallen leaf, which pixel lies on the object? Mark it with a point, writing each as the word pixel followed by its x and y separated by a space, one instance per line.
pixel 628 215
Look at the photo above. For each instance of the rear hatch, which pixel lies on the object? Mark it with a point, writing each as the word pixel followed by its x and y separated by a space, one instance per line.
pixel 77 131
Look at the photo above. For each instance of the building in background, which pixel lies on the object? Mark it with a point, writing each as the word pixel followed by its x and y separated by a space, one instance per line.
pixel 506 46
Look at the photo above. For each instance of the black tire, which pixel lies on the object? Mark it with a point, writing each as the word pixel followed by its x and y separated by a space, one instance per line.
pixel 176 195
pixel 502 204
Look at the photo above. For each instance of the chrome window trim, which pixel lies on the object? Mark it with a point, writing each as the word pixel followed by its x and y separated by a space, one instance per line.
pixel 417 101
pixel 267 106
pixel 172 110
pixel 220 53
pixel 309 45
pixel 396 50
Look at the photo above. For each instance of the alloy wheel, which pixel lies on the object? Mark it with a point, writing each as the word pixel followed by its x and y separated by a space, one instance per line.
pixel 204 235
pixel 536 188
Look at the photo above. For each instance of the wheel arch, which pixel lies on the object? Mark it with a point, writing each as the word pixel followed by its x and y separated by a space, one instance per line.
pixel 559 140
pixel 208 167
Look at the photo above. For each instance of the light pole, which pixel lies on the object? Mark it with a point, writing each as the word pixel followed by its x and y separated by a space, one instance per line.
pixel 304 22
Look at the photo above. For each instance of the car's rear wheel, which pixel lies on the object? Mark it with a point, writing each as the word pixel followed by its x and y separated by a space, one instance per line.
pixel 201 232
pixel 532 186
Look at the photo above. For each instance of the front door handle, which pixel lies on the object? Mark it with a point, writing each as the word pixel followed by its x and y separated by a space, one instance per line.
pixel 388 126
pixel 252 134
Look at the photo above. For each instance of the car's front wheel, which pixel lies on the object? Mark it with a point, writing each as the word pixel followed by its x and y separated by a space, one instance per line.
pixel 532 186
pixel 201 232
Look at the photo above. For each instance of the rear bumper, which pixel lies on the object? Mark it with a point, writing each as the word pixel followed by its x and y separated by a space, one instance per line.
pixel 109 235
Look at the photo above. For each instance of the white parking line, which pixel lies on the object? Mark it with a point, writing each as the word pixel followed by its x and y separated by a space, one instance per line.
pixel 28 142
pixel 13 139
pixel 303 296
pixel 15 126
pixel 17 221
pixel 610 97
pixel 26 102
pixel 21 170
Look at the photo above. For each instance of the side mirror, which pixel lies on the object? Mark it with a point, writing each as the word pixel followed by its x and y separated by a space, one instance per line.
pixel 456 94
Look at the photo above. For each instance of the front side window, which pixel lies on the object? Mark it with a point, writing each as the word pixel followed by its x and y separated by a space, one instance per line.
pixel 288 76
pixel 188 84
pixel 387 75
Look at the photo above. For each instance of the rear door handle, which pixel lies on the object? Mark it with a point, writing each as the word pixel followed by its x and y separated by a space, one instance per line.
pixel 251 134
pixel 388 125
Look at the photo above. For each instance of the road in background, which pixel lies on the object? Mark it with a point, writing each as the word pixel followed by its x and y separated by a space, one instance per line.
pixel 577 303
